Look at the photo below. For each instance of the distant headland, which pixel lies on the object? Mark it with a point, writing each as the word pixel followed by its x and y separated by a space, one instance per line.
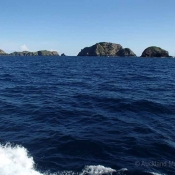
pixel 27 53
pixel 99 49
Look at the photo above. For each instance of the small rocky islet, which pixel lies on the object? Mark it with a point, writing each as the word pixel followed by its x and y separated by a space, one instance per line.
pixel 154 51
pixel 106 49
pixel 63 55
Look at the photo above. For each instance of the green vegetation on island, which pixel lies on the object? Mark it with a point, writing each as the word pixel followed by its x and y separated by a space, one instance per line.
pixel 24 53
pixel 106 49
pixel 47 53
pixel 154 51
pixel 38 53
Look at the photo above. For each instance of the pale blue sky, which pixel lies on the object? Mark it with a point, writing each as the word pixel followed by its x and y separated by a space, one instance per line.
pixel 70 25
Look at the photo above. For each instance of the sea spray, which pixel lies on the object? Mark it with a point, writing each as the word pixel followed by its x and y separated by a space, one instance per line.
pixel 99 169
pixel 15 160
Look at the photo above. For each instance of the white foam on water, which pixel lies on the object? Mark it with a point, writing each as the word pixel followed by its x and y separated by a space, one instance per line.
pixel 97 170
pixel 123 169
pixel 16 161
pixel 156 173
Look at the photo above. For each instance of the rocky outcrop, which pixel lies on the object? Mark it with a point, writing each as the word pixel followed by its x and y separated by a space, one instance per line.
pixel 154 51
pixel 126 52
pixel 47 53
pixel 101 49
pixel 106 49
pixel 63 55
pixel 38 53
pixel 2 52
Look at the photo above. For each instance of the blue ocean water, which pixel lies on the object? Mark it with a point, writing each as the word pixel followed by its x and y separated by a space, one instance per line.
pixel 87 115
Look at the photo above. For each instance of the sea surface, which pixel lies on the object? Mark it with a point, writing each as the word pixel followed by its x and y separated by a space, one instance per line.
pixel 87 116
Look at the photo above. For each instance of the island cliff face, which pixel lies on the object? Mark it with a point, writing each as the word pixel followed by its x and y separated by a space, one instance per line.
pixel 47 53
pixel 2 52
pixel 24 53
pixel 106 49
pixel 154 51
pixel 38 53
pixel 126 52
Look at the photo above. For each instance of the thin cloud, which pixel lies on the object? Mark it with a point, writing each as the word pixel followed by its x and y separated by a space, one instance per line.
pixel 24 48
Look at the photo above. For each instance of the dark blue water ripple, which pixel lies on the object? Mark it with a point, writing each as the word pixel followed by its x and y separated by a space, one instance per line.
pixel 71 112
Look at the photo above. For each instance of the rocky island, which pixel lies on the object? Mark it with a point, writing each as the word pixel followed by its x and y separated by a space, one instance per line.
pixel 38 53
pixel 154 51
pixel 106 49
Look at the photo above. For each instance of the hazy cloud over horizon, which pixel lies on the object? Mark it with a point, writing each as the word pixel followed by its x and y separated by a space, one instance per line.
pixel 24 48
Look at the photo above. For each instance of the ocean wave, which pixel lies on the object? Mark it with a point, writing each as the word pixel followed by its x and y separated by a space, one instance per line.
pixel 15 160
